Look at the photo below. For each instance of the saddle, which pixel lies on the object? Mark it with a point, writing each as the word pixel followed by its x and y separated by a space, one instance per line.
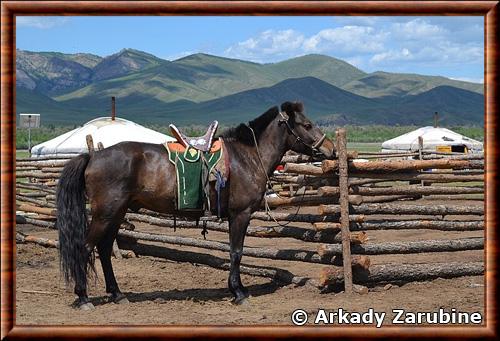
pixel 202 143
pixel 198 161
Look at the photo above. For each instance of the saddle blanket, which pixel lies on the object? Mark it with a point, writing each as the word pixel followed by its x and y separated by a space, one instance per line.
pixel 189 163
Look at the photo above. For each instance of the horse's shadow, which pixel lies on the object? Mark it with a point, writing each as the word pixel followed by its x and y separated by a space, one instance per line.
pixel 194 295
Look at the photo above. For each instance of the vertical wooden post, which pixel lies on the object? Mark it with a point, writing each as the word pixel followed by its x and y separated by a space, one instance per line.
pixel 113 108
pixel 90 143
pixel 344 209
pixel 100 146
pixel 420 149
pixel 116 250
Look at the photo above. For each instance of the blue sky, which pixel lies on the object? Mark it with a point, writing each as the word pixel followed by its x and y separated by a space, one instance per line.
pixel 447 46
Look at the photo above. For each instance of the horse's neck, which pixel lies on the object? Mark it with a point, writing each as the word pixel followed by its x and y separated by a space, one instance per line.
pixel 272 146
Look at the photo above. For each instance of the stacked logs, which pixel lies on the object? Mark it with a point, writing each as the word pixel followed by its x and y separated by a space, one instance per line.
pixel 45 170
pixel 377 188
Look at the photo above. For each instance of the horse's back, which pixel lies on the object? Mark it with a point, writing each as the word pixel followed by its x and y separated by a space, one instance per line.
pixel 138 173
pixel 121 160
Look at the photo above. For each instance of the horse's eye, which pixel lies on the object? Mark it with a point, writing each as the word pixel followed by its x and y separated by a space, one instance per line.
pixel 308 126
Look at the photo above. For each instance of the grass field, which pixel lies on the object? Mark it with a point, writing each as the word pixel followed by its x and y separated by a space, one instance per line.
pixel 364 146
pixel 22 153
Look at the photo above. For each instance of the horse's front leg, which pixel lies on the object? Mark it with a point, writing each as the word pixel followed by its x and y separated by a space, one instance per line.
pixel 238 224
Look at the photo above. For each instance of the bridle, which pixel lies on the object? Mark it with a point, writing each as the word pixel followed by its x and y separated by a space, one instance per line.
pixel 315 146
pixel 284 119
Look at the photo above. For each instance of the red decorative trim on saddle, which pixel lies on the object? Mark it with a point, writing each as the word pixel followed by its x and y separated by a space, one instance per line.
pixel 180 148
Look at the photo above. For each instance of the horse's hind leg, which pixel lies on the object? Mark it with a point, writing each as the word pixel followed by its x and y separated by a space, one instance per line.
pixel 102 231
pixel 104 247
pixel 83 302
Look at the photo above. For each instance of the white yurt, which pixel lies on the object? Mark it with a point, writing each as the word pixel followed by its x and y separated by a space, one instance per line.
pixel 434 139
pixel 106 130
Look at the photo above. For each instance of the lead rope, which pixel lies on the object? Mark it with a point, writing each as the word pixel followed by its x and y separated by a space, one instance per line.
pixel 268 181
pixel 206 192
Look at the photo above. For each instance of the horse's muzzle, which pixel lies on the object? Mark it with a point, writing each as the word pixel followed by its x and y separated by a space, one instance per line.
pixel 327 148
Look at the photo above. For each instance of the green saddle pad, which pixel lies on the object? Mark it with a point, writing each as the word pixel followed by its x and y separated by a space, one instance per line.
pixel 188 167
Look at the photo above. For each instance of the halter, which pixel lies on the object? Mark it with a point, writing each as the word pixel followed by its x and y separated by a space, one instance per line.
pixel 314 146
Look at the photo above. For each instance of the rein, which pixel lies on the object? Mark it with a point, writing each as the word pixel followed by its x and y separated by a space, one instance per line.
pixel 314 147
pixel 268 182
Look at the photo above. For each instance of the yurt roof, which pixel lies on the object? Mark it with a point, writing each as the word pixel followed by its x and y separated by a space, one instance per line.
pixel 103 129
pixel 432 137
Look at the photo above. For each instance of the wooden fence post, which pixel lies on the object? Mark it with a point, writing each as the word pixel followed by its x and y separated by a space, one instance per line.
pixel 420 150
pixel 344 209
pixel 90 143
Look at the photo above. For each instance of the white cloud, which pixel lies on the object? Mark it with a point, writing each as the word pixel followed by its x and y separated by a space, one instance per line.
pixel 444 53
pixel 393 55
pixel 271 44
pixel 268 43
pixel 428 44
pixel 344 39
pixel 469 79
pixel 417 29
pixel 40 22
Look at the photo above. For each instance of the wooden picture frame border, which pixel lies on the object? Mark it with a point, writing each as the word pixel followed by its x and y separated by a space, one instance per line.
pixel 10 9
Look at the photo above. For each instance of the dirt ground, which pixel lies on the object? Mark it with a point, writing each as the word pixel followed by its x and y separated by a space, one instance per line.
pixel 165 292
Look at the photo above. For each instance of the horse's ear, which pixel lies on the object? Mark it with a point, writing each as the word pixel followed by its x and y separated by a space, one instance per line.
pixel 292 107
pixel 298 107
pixel 288 108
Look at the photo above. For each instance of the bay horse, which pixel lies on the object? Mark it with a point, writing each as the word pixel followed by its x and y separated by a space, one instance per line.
pixel 132 175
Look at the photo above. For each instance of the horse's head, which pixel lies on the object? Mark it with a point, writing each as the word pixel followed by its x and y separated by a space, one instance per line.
pixel 303 135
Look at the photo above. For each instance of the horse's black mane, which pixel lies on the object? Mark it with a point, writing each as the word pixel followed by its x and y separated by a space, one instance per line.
pixel 242 133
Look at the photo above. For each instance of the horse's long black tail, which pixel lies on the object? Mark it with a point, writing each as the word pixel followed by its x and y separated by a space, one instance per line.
pixel 72 222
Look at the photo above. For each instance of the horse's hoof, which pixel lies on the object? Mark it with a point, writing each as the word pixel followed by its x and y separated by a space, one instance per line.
pixel 119 298
pixel 86 306
pixel 241 301
pixel 122 300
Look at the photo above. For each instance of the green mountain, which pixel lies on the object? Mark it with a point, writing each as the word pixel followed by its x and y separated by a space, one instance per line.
pixel 202 77
pixel 455 106
pixel 323 100
pixel 319 98
pixel 122 63
pixel 220 76
pixel 378 84
pixel 197 88
pixel 28 101
pixel 52 73
pixel 331 70
pixel 195 78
